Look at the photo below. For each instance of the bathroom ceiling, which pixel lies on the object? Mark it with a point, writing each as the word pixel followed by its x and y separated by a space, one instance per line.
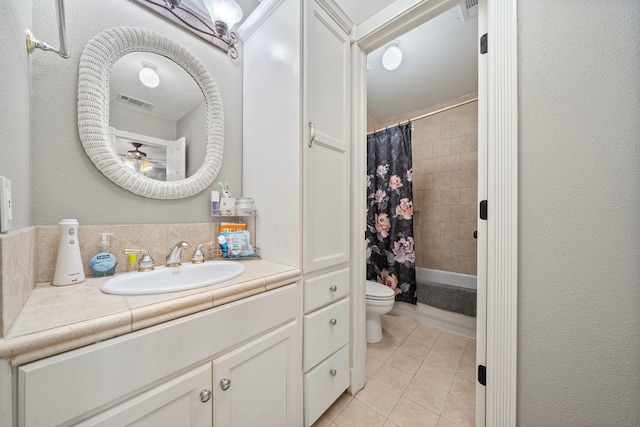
pixel 439 60
pixel 439 63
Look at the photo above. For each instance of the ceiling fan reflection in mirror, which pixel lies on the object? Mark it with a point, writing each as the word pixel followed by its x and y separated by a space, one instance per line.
pixel 139 161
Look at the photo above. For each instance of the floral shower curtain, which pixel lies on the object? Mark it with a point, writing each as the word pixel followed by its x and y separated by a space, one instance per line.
pixel 389 234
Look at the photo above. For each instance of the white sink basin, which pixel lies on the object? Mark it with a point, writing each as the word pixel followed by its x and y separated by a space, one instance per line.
pixel 171 279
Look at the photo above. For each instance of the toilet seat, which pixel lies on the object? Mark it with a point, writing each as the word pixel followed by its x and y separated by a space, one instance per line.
pixel 379 292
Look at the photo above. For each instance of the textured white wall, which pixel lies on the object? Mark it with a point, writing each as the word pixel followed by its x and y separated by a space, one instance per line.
pixel 65 183
pixel 579 284
pixel 15 72
pixel 190 126
pixel 134 121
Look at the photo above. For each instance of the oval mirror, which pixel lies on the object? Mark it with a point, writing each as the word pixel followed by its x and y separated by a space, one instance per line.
pixel 144 103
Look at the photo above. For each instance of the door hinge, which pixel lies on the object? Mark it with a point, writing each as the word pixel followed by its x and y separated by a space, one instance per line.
pixel 484 46
pixel 483 210
pixel 482 374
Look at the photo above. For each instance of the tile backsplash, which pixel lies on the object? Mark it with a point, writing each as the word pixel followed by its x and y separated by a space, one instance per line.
pixel 28 256
pixel 157 239
pixel 17 273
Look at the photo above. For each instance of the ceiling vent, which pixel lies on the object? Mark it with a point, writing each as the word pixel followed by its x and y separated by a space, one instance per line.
pixel 468 9
pixel 137 102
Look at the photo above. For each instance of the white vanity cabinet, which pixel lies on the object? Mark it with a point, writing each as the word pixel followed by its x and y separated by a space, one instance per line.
pixel 182 401
pixel 251 384
pixel 326 341
pixel 296 165
pixel 326 167
pixel 172 374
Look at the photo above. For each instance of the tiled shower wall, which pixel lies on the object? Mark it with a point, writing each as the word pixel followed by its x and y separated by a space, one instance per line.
pixel 445 187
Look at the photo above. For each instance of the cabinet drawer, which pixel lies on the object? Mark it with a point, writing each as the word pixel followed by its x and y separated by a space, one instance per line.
pixel 322 290
pixel 325 331
pixel 322 387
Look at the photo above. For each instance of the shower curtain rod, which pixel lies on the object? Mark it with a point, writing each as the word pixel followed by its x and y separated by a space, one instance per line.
pixel 428 114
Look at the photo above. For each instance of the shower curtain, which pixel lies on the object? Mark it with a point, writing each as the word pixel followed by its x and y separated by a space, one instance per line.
pixel 389 234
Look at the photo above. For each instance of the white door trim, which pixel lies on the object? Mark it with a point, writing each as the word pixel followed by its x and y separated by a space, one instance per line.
pixel 500 254
pixel 502 223
pixel 483 173
pixel 358 218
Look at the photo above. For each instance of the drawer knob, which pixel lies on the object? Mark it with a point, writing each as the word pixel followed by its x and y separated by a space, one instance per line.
pixel 333 288
pixel 225 383
pixel 205 395
pixel 333 321
pixel 333 372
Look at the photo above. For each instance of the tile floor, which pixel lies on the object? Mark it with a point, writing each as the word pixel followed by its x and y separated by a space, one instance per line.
pixel 418 375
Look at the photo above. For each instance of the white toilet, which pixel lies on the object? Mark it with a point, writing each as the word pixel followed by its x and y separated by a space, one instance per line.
pixel 380 299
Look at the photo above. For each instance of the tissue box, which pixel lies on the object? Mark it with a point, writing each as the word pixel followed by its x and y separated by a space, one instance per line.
pixel 232 226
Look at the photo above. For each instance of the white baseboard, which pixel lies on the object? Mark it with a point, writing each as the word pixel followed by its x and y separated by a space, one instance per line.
pixel 456 322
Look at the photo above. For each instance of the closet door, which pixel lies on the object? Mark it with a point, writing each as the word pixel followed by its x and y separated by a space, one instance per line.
pixel 326 147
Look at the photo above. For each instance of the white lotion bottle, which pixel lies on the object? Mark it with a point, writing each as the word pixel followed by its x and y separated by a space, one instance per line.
pixel 69 270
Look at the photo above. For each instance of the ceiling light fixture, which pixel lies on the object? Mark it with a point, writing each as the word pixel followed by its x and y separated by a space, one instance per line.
pixel 224 13
pixel 216 29
pixel 392 56
pixel 148 75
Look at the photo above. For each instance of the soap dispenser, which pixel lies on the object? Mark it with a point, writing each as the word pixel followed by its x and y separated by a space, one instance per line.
pixel 69 269
pixel 104 262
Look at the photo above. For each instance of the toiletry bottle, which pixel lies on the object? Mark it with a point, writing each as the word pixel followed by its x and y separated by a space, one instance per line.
pixel 103 263
pixel 224 246
pixel 215 203
pixel 132 262
pixel 69 269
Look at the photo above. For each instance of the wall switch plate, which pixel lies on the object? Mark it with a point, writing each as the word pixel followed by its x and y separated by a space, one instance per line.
pixel 6 210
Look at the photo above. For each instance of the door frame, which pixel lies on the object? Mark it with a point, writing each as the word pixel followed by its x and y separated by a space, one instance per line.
pixel 497 247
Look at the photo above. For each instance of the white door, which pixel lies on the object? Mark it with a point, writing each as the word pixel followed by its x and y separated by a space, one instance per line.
pixel 176 159
pixel 254 384
pixel 179 402
pixel 326 148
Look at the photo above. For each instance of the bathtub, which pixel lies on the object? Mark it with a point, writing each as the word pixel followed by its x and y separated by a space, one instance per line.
pixel 456 322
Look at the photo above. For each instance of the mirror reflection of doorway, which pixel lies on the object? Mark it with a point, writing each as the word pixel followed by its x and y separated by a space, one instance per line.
pixel 155 158
pixel 156 103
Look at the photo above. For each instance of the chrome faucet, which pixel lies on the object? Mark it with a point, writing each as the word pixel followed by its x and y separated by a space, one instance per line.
pixel 173 259
pixel 198 255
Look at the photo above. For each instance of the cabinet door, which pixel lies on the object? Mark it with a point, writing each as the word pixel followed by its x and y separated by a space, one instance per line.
pixel 259 383
pixel 178 402
pixel 326 149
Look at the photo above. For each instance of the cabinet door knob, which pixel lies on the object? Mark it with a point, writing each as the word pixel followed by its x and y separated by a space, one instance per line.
pixel 333 288
pixel 333 372
pixel 225 383
pixel 205 395
pixel 333 321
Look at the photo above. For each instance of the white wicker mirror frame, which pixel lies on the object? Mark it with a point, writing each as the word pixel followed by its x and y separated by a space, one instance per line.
pixel 96 61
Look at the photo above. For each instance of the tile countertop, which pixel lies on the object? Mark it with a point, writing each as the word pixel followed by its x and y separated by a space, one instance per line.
pixel 56 319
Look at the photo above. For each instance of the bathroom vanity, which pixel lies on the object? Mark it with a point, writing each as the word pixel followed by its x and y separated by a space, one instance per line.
pixel 237 363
